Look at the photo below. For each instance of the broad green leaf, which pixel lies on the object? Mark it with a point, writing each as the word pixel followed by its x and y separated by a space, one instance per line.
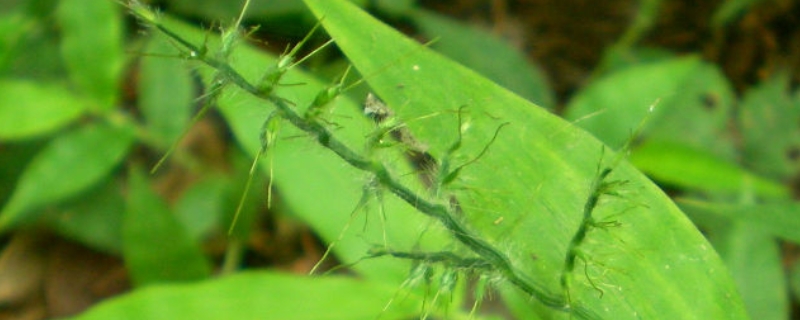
pixel 94 219
pixel 769 128
pixel 690 168
pixel 486 54
pixel 156 247
pixel 92 48
pixel 68 165
pixel 260 295
pixel 165 91
pixel 31 109
pixel 691 101
pixel 779 219
pixel 525 196
pixel 754 260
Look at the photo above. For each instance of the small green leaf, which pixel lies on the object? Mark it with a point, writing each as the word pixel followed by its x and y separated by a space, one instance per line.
pixel 29 109
pixel 67 166
pixel 156 248
pixel 92 47
pixel 687 167
pixel 260 295
pixel 165 91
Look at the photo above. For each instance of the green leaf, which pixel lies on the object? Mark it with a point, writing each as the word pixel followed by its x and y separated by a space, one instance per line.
pixel 156 248
pixel 165 91
pixel 691 100
pixel 690 168
pixel 68 165
pixel 259 295
pixel 755 262
pixel 94 219
pixel 528 191
pixel 779 219
pixel 200 207
pixel 13 26
pixel 769 128
pixel 92 48
pixel 487 54
pixel 29 109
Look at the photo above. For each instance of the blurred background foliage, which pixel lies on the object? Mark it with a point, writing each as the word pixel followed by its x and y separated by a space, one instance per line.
pixel 87 107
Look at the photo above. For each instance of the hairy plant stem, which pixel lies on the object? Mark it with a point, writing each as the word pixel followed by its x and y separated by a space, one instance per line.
pixel 442 212
pixel 573 249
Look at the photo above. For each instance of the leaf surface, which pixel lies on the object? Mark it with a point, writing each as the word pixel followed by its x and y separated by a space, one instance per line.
pixel 155 246
pixel 66 166
pixel 257 295
pixel 30 109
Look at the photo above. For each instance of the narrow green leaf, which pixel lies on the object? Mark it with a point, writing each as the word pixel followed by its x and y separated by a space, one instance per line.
pixel 92 47
pixel 260 295
pixel 156 248
pixel 487 54
pixel 779 219
pixel 165 91
pixel 525 196
pixel 690 168
pixel 29 109
pixel 67 166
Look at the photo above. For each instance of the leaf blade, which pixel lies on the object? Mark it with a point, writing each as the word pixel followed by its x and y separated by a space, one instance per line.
pixel 257 295
pixel 68 165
